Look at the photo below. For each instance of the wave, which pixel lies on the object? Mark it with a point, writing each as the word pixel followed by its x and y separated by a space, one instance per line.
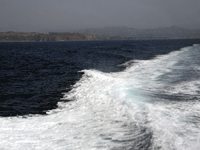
pixel 152 104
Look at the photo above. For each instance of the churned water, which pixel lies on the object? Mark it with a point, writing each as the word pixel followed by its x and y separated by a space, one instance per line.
pixel 100 95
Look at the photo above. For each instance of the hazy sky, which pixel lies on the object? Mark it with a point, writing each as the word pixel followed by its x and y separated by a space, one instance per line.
pixel 64 15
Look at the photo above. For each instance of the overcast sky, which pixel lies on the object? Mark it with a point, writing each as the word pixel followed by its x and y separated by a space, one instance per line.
pixel 64 15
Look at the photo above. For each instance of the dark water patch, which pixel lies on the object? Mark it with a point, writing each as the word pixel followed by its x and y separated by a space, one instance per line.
pixel 33 75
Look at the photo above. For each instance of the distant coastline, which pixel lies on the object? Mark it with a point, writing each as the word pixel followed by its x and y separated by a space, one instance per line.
pixel 109 33
pixel 44 37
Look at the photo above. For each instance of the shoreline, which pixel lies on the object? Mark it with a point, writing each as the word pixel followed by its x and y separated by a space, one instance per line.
pixel 112 39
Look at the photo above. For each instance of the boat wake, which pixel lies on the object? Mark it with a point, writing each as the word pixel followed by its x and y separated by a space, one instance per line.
pixel 152 104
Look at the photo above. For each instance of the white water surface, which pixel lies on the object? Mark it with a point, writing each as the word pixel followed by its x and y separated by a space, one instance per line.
pixel 153 104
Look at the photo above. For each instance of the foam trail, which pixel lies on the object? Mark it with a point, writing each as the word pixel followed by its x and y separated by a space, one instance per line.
pixel 153 104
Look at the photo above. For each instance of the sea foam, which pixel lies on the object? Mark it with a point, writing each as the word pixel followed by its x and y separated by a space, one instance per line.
pixel 153 104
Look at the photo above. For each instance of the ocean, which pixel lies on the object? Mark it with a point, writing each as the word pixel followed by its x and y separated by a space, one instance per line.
pixel 100 95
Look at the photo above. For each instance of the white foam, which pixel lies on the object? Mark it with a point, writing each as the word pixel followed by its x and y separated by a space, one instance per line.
pixel 119 110
pixel 175 125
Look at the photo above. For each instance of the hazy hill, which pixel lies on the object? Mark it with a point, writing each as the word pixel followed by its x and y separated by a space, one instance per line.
pixel 169 32
pixel 51 36
pixel 107 33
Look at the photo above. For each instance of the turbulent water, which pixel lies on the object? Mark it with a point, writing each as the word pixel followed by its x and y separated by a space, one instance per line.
pixel 100 95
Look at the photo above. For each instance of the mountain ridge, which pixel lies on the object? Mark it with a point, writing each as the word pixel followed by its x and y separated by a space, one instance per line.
pixel 124 31
pixel 106 33
pixel 44 37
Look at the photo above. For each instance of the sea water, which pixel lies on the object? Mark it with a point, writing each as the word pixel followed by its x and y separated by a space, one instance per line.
pixel 120 95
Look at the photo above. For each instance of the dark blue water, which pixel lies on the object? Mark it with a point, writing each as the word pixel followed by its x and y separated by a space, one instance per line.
pixel 141 95
pixel 34 75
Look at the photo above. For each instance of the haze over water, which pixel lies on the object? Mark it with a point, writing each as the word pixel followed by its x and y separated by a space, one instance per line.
pixel 62 15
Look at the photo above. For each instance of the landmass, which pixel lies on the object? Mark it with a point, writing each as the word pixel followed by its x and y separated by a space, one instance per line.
pixel 107 33
pixel 124 32
pixel 11 36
